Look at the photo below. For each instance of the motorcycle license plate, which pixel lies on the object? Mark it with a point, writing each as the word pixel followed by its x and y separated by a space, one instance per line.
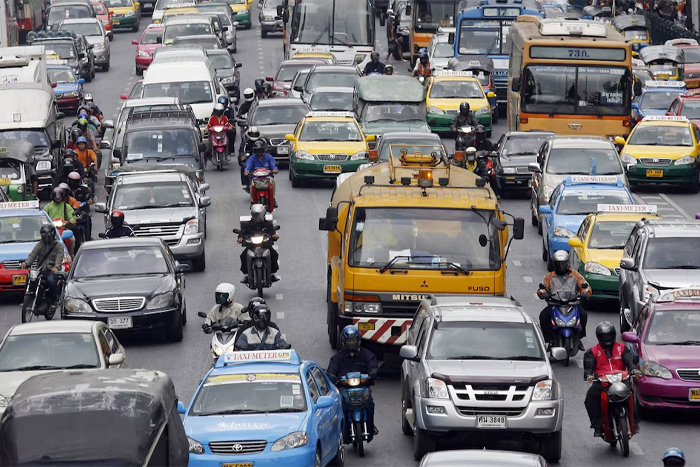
pixel 491 421
pixel 365 326
pixel 239 464
pixel 694 394
pixel 282 149
pixel 5 181
pixel 332 169
pixel 655 173
pixel 120 323
pixel 19 280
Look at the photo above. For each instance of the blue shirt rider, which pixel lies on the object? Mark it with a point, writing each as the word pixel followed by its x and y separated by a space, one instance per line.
pixel 261 159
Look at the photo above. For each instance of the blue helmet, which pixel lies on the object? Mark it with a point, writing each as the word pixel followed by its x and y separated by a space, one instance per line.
pixel 223 100
pixel 674 456
pixel 350 338
pixel 82 139
pixel 82 115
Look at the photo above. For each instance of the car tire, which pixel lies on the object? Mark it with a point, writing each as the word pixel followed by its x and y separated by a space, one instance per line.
pixel 545 255
pixel 263 33
pixel 106 66
pixel 642 412
pixel 405 405
pixel 339 459
pixel 184 311
pixel 93 72
pixel 318 461
pixel 248 26
pixel 423 443
pixel 135 28
pixel 139 72
pixel 296 181
pixel 110 36
pixel 550 448
pixel 199 264
pixel 494 116
pixel 175 331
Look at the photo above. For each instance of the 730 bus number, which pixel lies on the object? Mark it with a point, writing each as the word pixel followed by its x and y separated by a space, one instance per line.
pixel 578 53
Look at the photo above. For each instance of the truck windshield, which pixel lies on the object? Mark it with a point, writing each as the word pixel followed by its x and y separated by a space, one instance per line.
pixel 415 238
pixel 431 14
pixel 36 137
pixel 484 341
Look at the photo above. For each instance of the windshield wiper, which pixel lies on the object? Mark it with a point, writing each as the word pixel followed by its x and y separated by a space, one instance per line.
pixel 493 44
pixel 81 365
pixel 473 357
pixel 35 368
pixel 177 205
pixel 587 95
pixel 388 265
pixel 682 266
pixel 452 265
pixel 147 206
pixel 681 343
pixel 284 409
pixel 532 153
pixel 523 358
pixel 318 39
pixel 228 412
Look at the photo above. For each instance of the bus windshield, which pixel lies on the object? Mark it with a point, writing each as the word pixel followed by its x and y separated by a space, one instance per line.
pixel 320 22
pixel 431 14
pixel 485 37
pixel 581 90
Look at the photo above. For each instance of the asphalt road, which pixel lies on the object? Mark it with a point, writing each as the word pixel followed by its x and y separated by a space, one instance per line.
pixel 298 300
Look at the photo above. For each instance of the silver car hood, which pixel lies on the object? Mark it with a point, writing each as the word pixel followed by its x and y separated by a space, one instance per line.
pixel 95 40
pixel 489 370
pixel 269 12
pixel 159 216
pixel 673 278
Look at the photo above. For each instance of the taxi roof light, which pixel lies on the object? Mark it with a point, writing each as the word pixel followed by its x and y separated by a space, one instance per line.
pixel 20 205
pixel 692 93
pixel 684 294
pixel 599 179
pixel 666 118
pixel 664 84
pixel 330 114
pixel 425 178
pixel 258 356
pixel 628 208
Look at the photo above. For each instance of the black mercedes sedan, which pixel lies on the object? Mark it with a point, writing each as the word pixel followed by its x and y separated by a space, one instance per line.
pixel 515 150
pixel 129 284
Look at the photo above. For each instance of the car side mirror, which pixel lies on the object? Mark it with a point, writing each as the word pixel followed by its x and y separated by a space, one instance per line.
pixel 628 264
pixel 390 12
pixel 515 85
pixel 180 267
pixel 241 122
pixel 60 115
pixel 534 167
pixel 330 222
pixel 100 207
pixel 81 81
pixel 407 11
pixel 81 55
pixel 159 40
pixel 204 201
pixel 630 337
pixel 289 137
pixel 116 359
pixel 557 354
pixel 409 352
pixel 238 65
pixel 105 145
pixel 324 402
pixel 135 42
pixel 108 124
pixel 181 409
pixel 575 242
pixel 116 152
pixel 236 231
pixel 123 97
pixel 269 78
pixel 544 209
pixel 619 140
pixel 204 187
pixel 201 314
pixel 280 10
pixel 635 106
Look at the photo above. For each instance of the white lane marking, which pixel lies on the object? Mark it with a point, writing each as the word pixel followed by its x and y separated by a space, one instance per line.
pixel 678 216
pixel 527 279
pixel 517 263
pixel 636 449
pixel 652 197
pixel 278 296
pixel 675 205
pixel 280 315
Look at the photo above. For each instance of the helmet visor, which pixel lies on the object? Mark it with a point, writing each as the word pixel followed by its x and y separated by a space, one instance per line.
pixel 221 298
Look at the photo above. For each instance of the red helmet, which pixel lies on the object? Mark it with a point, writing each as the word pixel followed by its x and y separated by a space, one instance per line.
pixel 117 219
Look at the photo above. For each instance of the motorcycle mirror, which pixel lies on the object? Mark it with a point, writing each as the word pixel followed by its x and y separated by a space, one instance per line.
pixel 483 240
pixel 541 286
pixel 66 234
pixel 519 228
pixel 201 314
pixel 277 227
pixel 237 231
pixel 584 285
pixel 101 235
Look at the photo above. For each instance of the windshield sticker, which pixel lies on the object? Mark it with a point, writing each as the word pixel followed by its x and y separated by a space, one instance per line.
pixel 612 97
pixel 242 426
pixel 296 390
pixel 286 401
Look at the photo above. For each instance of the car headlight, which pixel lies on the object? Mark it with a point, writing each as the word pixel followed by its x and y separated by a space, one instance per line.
pixel 544 391
pixel 192 227
pixel 563 232
pixel 291 441
pixel 99 46
pixel 129 14
pixel 508 170
pixel 143 53
pixel 43 165
pixel 685 160
pixel 627 159
pixel 194 446
pixel 650 291
pixel 437 389
pixel 548 192
pixel 435 110
pixel 71 94
pixel 3 401
pixel 244 11
pixel 227 80
pixel 268 18
pixel 75 305
pixel 596 268
pixel 304 155
pixel 218 351
pixel 655 370
pixel 163 300
pixel 483 110
pixel 359 156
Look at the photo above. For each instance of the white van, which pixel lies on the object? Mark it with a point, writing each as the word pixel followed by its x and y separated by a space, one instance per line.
pixel 24 64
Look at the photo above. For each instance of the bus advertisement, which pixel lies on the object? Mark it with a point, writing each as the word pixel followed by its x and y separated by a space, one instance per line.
pixel 427 16
pixel 570 76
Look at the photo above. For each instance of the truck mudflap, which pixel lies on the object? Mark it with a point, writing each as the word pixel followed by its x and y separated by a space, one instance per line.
pixel 386 331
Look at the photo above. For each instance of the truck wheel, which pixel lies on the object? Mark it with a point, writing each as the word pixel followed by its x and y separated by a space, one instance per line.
pixel 200 264
pixel 550 448
pixel 333 324
pixel 423 443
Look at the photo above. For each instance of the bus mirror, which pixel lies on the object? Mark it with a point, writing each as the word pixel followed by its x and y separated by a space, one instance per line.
pixel 451 38
pixel 515 85
pixel 483 240
pixel 407 11
pixel 519 228
pixel 637 88
pixel 279 10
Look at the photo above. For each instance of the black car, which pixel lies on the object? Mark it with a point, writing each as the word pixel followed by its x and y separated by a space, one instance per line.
pixel 73 51
pixel 516 149
pixel 274 118
pixel 226 71
pixel 129 284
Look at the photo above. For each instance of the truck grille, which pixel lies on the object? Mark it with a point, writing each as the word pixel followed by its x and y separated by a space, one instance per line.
pixel 118 304
pixel 501 84
pixel 157 230
pixel 237 447
pixel 473 411
pixel 400 308
pixel 689 375
pixel 654 161
pixel 480 397
pixel 11 264
pixel 332 157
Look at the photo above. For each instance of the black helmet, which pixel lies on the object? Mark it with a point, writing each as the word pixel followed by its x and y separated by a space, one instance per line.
pixel 253 304
pixel 560 259
pixel 259 85
pixel 606 334
pixel 117 219
pixel 350 338
pixel 464 109
pixel 68 165
pixel 57 195
pixel 259 148
pixel 261 316
pixel 424 57
pixel 267 87
pixel 374 56
pixel 48 234
pixel 223 100
pixel 75 133
pixel 69 153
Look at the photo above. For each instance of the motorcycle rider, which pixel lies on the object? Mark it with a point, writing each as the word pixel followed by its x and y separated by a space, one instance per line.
pixel 388 69
pixel 259 85
pixel 246 149
pixel 88 131
pixel 260 336
pixel 482 143
pixel 94 122
pixel 90 104
pixel 261 159
pixel 350 358
pixel 71 164
pixel 374 65
pixel 674 457
pixel 86 156
pixel 562 278
pixel 75 133
pixel 484 169
pixel 603 357
pixel 258 224
pixel 423 67
pixel 48 253
pixel 248 99
pixel 219 119
pixel 225 306
pixel 465 117
pixel 117 227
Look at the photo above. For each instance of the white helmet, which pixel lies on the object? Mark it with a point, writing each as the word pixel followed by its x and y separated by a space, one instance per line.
pixel 253 134
pixel 88 98
pixel 64 187
pixel 224 293
pixel 248 94
pixel 257 212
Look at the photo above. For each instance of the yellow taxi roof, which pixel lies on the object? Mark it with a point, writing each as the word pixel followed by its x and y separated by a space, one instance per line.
pixel 330 118
pixel 455 78
pixel 614 216
pixel 665 121
pixel 180 11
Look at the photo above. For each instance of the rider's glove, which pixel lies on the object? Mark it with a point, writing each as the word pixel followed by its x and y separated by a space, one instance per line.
pixel 544 295
pixel 82 204
pixel 584 295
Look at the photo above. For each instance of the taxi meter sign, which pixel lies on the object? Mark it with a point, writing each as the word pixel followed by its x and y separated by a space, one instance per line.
pixel 580 179
pixel 664 84
pixel 689 294
pixel 20 205
pixel 258 356
pixel 627 208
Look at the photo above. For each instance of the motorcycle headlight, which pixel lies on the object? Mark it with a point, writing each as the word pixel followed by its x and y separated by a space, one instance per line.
pixel 573 321
pixel 435 110
pixel 627 159
pixel 563 232
pixel 192 227
pixel 291 441
pixel 544 391
pixel 437 389
pixel 352 382
pixel 218 351
pixel 257 239
pixel 508 170
pixel 163 300
pixel 43 165
pixel 559 322
pixel 75 305
pixel 227 80
pixel 483 111
pixel 143 53
pixel 194 446
pixel 655 370
pixel 129 14
pixel 304 155
pixel 685 160
pixel 359 156
pixel 596 268
pixel 613 377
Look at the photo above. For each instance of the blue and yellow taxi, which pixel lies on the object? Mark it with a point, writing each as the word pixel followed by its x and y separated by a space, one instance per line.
pixel 662 150
pixel 264 409
pixel 570 203
pixel 656 98
pixel 596 250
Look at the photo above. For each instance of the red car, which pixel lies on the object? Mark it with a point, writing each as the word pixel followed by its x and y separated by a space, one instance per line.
pixel 687 105
pixel 146 45
pixel 282 81
pixel 691 67
pixel 135 92
pixel 105 16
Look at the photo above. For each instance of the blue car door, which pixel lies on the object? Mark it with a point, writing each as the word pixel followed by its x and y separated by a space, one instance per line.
pixel 328 419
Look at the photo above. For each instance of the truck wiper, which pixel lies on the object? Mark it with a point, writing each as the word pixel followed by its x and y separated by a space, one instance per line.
pixel 393 261
pixel 452 265
pixel 592 104
pixel 318 39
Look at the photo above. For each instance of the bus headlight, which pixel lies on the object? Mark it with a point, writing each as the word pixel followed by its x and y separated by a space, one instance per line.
pixel 359 58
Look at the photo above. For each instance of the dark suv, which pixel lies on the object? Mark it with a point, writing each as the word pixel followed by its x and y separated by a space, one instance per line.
pixel 516 149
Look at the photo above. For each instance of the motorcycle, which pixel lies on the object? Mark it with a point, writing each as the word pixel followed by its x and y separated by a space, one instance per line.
pixel 225 331
pixel 464 160
pixel 35 301
pixel 356 395
pixel 261 189
pixel 219 146
pixel 64 232
pixel 259 260
pixel 465 138
pixel 567 321
pixel 617 405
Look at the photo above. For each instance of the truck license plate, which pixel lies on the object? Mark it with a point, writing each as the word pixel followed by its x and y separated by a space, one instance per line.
pixel 365 326
pixel 332 169
pixel 120 323
pixel 491 421
pixel 19 280
pixel 655 173
pixel 282 149
pixel 694 394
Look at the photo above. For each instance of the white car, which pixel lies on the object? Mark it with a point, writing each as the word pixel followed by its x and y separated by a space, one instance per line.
pixel 440 51
pixel 41 347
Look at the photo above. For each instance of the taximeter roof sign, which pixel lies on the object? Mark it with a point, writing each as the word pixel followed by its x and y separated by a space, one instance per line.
pixel 20 205
pixel 627 208
pixel 605 179
pixel 258 356
pixel 688 294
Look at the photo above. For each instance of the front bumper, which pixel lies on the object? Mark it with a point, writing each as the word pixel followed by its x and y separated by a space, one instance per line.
pixel 443 122
pixel 299 457
pixel 314 169
pixel 142 320
pixel 101 56
pixel 142 63
pixel 124 22
pixel 45 179
pixel 669 174
pixel 660 393
pixel 68 103
pixel 271 26
pixel 514 181
pixel 604 287
pixel 187 246
pixel 243 19
pixel 6 276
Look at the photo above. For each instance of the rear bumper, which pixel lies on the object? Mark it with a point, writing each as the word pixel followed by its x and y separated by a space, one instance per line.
pixel 514 181
pixel 272 26
pixel 68 103
pixel 124 22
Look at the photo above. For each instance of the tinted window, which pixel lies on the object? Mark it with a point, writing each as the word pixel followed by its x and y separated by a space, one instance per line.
pixel 578 161
pixel 677 327
pixel 344 80
pixel 484 341
pixel 313 388
pixel 523 145
pixel 20 229
pixel 321 380
pixel 672 253
pixel 579 202
pixel 119 262
pixel 279 114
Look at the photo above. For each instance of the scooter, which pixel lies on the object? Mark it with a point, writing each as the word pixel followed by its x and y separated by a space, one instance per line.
pixel 35 297
pixel 465 138
pixel 225 331
pixel 617 405
pixel 64 232
pixel 219 146
pixel 567 321
pixel 464 159
pixel 261 190
pixel 259 261
pixel 356 394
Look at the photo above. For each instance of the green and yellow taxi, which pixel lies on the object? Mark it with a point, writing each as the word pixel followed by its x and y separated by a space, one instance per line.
pixel 242 10
pixel 187 10
pixel 447 90
pixel 597 248
pixel 126 14
pixel 662 149
pixel 326 144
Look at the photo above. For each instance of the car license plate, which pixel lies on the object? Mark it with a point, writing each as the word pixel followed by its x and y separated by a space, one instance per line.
pixel 692 84
pixel 120 323
pixel 655 173
pixel 332 169
pixel 5 181
pixel 365 326
pixel 694 394
pixel 19 280
pixel 282 149
pixel 491 421
pixel 240 464
pixel 115 21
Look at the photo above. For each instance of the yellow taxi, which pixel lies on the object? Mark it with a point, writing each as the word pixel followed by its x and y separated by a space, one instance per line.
pixel 126 14
pixel 327 57
pixel 597 248
pixel 447 90
pixel 326 144
pixel 662 150
pixel 242 10
pixel 190 10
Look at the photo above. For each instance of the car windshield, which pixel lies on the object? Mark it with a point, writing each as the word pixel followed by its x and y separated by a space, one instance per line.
pixel 393 112
pixel 272 4
pixel 173 31
pixel 582 202
pixel 456 90
pixel 86 29
pixel 676 327
pixel 221 61
pixel 164 4
pixel 643 75
pixel 691 109
pixel 129 261
pixel 672 253
pixel 279 114
pixel 523 145
pixel 208 42
pixel 415 238
pixel 444 50
pixel 661 135
pixel 330 131
pixel 61 75
pixel 249 393
pixel 636 34
pixel 20 229
pixel 63 50
pixel 317 80
pixel 397 149
pixel 337 101
pixel 54 351
pixel 36 137
pixel 484 341
pixel 659 100
pixel 60 12
pixel 160 144
pixel 189 92
pixel 287 71
pixel 150 36
pixel 136 90
pixel 691 54
pixel 99 9
pixel 10 169
pixel 236 2
pixel 578 161
pixel 610 235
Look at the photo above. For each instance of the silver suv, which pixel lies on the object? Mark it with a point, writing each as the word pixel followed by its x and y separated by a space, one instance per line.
pixel 478 365
pixel 660 254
